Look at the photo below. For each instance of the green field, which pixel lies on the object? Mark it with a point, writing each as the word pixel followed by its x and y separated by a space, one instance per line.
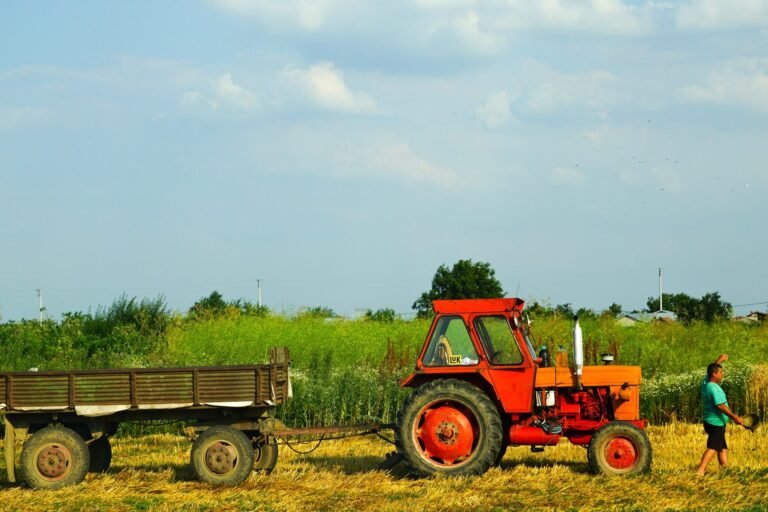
pixel 347 371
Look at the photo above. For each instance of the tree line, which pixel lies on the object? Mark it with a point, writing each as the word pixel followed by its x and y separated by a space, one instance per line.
pixel 474 280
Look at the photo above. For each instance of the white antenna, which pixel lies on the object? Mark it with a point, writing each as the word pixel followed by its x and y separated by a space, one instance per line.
pixel 661 294
pixel 41 307
pixel 258 284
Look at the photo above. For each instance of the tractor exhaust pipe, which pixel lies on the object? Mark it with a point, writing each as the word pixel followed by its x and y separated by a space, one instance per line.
pixel 578 352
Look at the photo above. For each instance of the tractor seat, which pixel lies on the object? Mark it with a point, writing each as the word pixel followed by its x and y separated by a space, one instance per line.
pixel 443 353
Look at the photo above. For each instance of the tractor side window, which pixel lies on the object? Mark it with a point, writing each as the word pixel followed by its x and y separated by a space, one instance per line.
pixel 450 344
pixel 498 340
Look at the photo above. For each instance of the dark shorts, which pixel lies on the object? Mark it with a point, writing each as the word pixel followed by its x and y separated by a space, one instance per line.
pixel 716 437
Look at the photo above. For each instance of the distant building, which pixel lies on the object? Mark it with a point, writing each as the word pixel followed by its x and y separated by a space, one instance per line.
pixel 629 320
pixel 664 316
pixel 752 318
pixel 634 318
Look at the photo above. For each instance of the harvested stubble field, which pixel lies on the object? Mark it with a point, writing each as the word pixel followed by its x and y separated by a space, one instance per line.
pixel 151 473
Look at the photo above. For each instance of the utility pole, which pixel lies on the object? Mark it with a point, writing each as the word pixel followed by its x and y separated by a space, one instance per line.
pixel 40 300
pixel 661 294
pixel 258 284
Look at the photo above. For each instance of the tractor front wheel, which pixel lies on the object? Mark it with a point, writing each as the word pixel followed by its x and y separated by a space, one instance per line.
pixel 619 448
pixel 448 426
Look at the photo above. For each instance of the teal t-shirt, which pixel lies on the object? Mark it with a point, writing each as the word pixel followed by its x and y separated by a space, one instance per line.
pixel 713 395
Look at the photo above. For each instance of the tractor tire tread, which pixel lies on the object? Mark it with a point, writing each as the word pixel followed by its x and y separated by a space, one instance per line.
pixel 596 462
pixel 467 395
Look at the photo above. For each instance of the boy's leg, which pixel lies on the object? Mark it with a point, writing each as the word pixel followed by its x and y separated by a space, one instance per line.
pixel 722 457
pixel 708 455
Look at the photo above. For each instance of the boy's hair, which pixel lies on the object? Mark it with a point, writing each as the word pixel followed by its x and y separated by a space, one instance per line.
pixel 712 369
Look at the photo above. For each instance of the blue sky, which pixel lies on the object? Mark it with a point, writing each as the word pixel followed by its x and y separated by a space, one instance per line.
pixel 340 151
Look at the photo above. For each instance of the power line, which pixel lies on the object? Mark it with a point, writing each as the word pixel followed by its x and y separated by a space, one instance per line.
pixel 751 304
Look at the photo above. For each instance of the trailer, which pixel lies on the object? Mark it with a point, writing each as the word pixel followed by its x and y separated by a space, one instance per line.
pixel 65 418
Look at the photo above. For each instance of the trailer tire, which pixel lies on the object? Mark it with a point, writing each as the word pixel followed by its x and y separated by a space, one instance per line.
pixel 54 457
pixel 448 426
pixel 222 455
pixel 264 457
pixel 101 455
pixel 619 448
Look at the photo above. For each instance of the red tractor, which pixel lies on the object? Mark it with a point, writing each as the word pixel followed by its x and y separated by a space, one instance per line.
pixel 479 387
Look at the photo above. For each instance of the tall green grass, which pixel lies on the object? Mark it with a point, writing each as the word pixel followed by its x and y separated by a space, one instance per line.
pixel 348 371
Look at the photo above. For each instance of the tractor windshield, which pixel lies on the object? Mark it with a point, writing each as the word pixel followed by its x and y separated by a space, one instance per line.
pixel 498 340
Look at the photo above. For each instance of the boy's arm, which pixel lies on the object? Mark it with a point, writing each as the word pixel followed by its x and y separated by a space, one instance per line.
pixel 721 358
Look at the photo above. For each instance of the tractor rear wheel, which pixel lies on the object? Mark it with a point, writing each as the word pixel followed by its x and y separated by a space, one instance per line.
pixel 619 448
pixel 448 426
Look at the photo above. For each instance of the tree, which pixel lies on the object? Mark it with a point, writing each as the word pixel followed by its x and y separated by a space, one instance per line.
pixel 214 306
pixel 538 310
pixel 709 308
pixel 381 315
pixel 466 280
pixel 247 308
pixel 211 306
pixel 715 308
pixel 564 310
pixel 614 310
pixel 319 312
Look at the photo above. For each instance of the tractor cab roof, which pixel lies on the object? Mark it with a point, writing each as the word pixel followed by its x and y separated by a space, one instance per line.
pixel 477 305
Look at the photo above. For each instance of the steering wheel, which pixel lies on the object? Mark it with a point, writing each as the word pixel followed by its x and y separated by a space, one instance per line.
pixel 496 357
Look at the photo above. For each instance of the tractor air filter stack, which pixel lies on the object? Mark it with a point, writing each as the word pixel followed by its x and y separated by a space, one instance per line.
pixel 578 352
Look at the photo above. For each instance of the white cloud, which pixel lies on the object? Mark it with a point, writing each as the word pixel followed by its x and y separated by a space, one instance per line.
pixel 667 180
pixel 12 118
pixel 595 136
pixel 495 110
pixel 742 82
pixel 478 26
pixel 719 14
pixel 230 93
pixel 324 86
pixel 397 160
pixel 551 91
pixel 308 15
pixel 224 93
pixel 565 177
pixel 612 17
pixel 472 35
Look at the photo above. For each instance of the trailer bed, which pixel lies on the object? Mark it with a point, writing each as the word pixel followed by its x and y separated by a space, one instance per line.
pixel 81 408
pixel 94 393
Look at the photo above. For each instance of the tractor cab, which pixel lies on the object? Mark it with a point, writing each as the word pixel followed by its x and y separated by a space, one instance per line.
pixel 485 340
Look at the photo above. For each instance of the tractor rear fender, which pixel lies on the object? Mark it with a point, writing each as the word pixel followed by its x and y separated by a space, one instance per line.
pixel 477 379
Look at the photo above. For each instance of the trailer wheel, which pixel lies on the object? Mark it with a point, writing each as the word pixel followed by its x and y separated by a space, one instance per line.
pixel 54 457
pixel 448 426
pixel 222 455
pixel 264 457
pixel 101 455
pixel 619 448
